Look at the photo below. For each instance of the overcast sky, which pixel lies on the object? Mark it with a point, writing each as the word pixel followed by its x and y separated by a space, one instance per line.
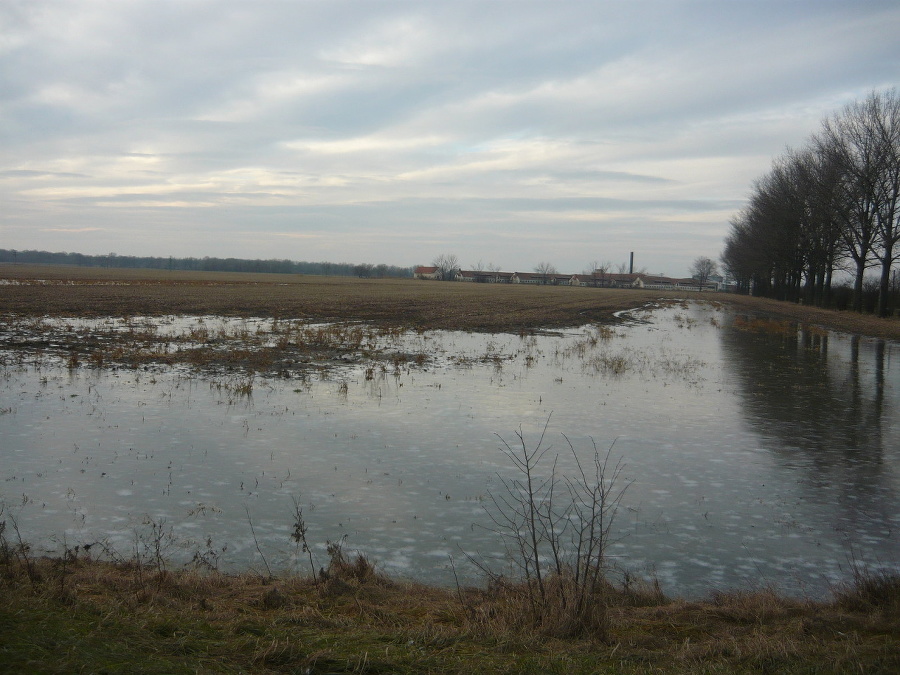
pixel 390 132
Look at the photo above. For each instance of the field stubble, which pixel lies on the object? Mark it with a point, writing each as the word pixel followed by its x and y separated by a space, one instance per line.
pixel 50 290
pixel 54 291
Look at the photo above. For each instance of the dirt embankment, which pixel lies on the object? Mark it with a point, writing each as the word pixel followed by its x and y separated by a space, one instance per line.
pixel 848 322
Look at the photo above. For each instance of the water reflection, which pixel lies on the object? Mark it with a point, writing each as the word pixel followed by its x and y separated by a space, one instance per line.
pixel 797 389
pixel 825 406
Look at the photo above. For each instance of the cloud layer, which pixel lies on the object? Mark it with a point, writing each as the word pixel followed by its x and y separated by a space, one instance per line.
pixel 510 132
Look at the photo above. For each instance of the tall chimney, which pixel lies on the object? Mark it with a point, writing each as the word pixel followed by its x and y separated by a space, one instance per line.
pixel 631 264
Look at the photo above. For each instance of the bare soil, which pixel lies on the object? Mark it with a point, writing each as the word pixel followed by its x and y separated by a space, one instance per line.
pixel 58 290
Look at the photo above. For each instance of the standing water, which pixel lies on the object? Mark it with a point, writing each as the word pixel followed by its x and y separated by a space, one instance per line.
pixel 755 452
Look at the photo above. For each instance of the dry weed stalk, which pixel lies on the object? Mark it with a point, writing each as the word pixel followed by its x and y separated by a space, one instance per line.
pixel 870 590
pixel 299 537
pixel 345 571
pixel 256 542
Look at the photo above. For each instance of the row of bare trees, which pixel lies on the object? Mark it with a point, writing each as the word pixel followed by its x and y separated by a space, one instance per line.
pixel 831 206
pixel 206 264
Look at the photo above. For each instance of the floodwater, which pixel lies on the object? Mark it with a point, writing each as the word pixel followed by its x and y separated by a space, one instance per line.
pixel 754 453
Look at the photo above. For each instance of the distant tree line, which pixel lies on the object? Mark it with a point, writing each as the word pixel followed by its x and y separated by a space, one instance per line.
pixel 207 264
pixel 832 206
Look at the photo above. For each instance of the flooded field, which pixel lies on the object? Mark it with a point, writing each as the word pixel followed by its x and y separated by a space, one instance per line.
pixel 758 452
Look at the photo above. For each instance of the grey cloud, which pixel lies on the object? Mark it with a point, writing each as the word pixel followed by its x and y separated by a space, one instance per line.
pixel 647 113
pixel 26 173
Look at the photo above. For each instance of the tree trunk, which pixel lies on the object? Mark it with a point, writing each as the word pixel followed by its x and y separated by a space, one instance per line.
pixel 884 287
pixel 858 286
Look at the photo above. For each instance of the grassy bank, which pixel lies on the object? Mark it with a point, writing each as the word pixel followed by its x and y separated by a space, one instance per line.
pixel 73 614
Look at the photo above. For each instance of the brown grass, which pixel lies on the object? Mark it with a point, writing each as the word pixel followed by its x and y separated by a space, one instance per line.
pixel 848 322
pixel 90 616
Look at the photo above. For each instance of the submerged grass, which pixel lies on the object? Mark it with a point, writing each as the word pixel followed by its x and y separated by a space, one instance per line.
pixel 270 347
pixel 83 615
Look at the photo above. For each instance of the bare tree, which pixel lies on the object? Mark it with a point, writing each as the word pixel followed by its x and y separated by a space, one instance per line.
pixel 884 115
pixel 848 140
pixel 788 231
pixel 364 270
pixel 739 257
pixel 836 200
pixel 590 272
pixel 820 178
pixel 702 269
pixel 602 272
pixel 546 270
pixel 447 264
pixel 624 268
pixel 597 272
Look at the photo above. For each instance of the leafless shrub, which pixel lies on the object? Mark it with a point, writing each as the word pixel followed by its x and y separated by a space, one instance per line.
pixel 18 551
pixel 151 547
pixel 556 530
pixel 207 558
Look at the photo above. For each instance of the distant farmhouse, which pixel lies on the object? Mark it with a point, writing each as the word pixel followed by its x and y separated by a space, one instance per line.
pixel 597 279
pixel 426 273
